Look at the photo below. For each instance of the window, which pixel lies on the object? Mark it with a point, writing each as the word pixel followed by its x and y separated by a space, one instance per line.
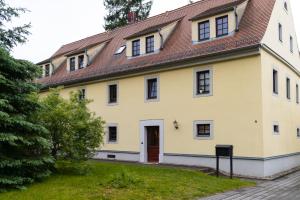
pixel 47 70
pixel 81 61
pixel 112 134
pixel 203 82
pixel 150 44
pixel 72 64
pixel 276 129
pixel 203 129
pixel 297 93
pixel 285 6
pixel 298 132
pixel 288 88
pixel 203 31
pixel 120 50
pixel 275 81
pixel 291 44
pixel 152 89
pixel 136 48
pixel 82 94
pixel 112 93
pixel 222 26
pixel 280 32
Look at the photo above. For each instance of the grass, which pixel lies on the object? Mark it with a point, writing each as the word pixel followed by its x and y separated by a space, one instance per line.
pixel 123 181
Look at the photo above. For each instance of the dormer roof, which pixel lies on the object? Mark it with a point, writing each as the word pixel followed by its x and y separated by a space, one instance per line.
pixel 178 49
pixel 218 10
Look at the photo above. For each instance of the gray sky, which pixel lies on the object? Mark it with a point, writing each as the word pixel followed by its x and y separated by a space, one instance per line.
pixel 58 22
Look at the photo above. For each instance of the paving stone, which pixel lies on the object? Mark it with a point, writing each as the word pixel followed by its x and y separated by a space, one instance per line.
pixel 286 188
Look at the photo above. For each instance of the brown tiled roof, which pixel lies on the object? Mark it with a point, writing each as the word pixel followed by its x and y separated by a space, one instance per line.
pixel 218 10
pixel 178 48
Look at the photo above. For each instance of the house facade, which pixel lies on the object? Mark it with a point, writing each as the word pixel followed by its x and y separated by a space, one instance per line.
pixel 172 87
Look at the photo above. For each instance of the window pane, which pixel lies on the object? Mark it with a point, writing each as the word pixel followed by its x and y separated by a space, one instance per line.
pixel 112 134
pixel 81 61
pixel 275 82
pixel 47 70
pixel 203 31
pixel 112 93
pixel 72 64
pixel 152 88
pixel 203 130
pixel 136 48
pixel 222 26
pixel 203 82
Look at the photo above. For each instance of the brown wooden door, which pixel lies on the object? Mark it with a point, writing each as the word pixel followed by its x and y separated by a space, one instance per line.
pixel 153 144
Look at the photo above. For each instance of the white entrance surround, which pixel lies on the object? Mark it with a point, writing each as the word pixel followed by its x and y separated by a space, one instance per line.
pixel 143 139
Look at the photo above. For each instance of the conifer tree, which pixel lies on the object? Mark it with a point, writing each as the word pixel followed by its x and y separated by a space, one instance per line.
pixel 118 11
pixel 24 144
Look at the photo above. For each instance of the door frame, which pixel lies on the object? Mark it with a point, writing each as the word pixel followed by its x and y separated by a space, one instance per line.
pixel 143 139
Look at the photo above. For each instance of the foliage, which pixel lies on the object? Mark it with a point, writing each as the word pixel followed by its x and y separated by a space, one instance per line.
pixel 118 11
pixel 157 183
pixel 75 131
pixel 24 145
pixel 124 179
pixel 10 37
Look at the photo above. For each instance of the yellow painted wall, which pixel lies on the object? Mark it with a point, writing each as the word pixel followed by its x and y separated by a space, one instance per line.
pixel 234 107
pixel 279 109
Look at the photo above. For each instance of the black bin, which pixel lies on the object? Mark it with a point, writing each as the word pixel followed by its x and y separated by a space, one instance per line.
pixel 224 151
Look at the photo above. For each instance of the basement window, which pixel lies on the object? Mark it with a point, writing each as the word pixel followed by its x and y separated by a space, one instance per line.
pixel 120 50
pixel 275 128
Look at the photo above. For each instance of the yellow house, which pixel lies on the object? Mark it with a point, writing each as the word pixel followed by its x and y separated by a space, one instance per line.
pixel 172 87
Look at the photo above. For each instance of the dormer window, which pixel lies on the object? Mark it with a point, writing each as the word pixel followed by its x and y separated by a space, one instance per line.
pixel 150 44
pixel 81 61
pixel 222 26
pixel 204 31
pixel 72 64
pixel 136 48
pixel 47 70
pixel 285 6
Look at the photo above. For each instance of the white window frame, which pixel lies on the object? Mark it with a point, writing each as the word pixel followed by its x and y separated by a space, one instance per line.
pixel 107 133
pixel 199 122
pixel 108 94
pixel 275 124
pixel 146 88
pixel 211 75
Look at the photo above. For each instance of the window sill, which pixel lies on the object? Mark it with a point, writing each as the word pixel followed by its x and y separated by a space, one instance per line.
pixel 203 138
pixel 151 100
pixel 202 95
pixel 112 104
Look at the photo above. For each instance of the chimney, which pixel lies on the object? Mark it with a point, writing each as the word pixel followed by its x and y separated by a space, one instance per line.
pixel 132 17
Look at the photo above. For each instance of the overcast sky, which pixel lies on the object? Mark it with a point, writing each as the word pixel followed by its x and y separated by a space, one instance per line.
pixel 58 22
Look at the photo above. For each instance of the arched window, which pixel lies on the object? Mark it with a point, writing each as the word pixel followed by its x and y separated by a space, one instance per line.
pixel 285 5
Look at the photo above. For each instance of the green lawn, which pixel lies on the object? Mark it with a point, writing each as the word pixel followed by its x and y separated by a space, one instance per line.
pixel 105 181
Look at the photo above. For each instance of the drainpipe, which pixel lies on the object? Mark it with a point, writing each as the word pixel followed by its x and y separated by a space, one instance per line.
pixel 87 58
pixel 161 39
pixel 236 19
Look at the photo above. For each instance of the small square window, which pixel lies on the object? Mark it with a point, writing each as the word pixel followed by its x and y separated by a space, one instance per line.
pixel 112 134
pixel 150 44
pixel 276 129
pixel 81 61
pixel 203 129
pixel 112 93
pixel 151 89
pixel 72 64
pixel 136 48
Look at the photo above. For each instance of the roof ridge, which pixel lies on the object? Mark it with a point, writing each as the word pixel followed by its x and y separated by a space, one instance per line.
pixel 149 18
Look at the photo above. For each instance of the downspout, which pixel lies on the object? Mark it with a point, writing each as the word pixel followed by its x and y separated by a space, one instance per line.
pixel 236 19
pixel 161 39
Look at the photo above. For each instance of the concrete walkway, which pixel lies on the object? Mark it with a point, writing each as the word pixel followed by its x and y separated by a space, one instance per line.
pixel 286 188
